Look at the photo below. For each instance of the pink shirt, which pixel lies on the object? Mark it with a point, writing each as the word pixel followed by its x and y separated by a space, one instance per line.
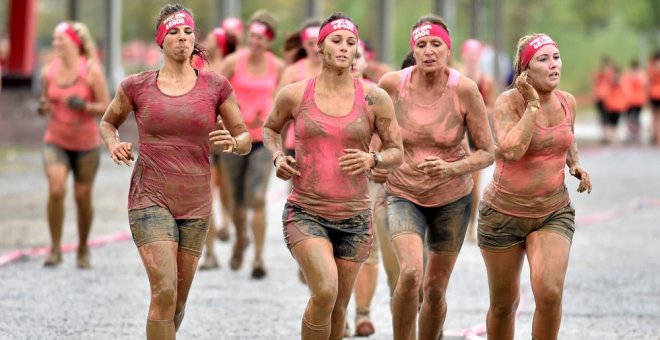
pixel 533 186
pixel 255 93
pixel 323 187
pixel 429 130
pixel 70 129
pixel 172 170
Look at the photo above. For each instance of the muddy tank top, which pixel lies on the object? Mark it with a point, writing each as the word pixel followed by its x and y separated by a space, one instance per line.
pixel 301 74
pixel 323 187
pixel 255 93
pixel 172 169
pixel 70 129
pixel 533 186
pixel 429 130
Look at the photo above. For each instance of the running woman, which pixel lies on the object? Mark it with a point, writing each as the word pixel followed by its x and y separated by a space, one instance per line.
pixel 654 96
pixel 471 56
pixel 178 110
pixel 75 92
pixel 218 45
pixel 327 222
pixel 254 73
pixel 430 193
pixel 526 209
pixel 636 86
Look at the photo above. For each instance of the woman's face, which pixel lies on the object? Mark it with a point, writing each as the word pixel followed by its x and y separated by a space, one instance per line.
pixel 339 49
pixel 431 53
pixel 544 70
pixel 211 45
pixel 257 42
pixel 62 44
pixel 359 63
pixel 179 42
pixel 311 47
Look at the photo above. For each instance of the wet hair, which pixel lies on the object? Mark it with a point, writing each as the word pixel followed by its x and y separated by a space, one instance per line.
pixel 87 46
pixel 170 9
pixel 409 60
pixel 263 17
pixel 232 42
pixel 294 40
pixel 430 18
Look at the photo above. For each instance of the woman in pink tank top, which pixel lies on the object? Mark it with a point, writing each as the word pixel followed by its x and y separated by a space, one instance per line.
pixel 179 111
pixel 525 209
pixel 429 195
pixel 254 73
pixel 74 93
pixel 219 43
pixel 307 64
pixel 327 222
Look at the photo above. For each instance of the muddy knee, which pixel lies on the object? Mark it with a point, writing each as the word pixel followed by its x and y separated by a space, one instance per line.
pixel 163 295
pixel 504 309
pixel 434 296
pixel 548 297
pixel 410 279
pixel 324 297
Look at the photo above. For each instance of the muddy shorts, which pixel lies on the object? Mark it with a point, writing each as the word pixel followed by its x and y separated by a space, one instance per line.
pixel 444 226
pixel 248 176
pixel 498 231
pixel 350 238
pixel 83 164
pixel 156 223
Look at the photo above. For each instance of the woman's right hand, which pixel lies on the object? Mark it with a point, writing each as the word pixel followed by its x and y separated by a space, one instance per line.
pixel 44 107
pixel 285 167
pixel 122 152
pixel 526 89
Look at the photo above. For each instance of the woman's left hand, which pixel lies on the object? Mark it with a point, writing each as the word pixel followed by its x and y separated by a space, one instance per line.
pixel 436 167
pixel 583 176
pixel 355 161
pixel 223 137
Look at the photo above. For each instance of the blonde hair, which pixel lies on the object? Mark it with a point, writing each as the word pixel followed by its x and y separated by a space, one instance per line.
pixel 88 46
pixel 516 59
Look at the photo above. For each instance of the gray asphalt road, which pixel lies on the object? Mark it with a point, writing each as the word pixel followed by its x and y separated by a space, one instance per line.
pixel 612 288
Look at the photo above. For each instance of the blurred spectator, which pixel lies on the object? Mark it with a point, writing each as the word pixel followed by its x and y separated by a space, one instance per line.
pixel 635 83
pixel 601 82
pixel 615 104
pixel 654 94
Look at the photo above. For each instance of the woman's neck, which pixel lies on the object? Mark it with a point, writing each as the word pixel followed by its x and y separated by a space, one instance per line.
pixel 432 79
pixel 175 70
pixel 335 79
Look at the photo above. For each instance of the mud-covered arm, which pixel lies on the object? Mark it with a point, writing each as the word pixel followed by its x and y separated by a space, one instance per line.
pixel 112 119
pixel 232 131
pixel 282 112
pixel 387 128
pixel 572 158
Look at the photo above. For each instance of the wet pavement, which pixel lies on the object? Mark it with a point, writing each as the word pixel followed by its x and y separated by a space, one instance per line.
pixel 612 287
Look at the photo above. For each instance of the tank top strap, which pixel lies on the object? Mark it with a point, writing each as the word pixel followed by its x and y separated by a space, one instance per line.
pixel 454 77
pixel 308 95
pixel 405 77
pixel 300 69
pixel 564 105
pixel 359 100
pixel 241 63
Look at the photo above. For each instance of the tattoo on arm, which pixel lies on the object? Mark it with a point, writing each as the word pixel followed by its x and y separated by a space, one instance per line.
pixel 373 97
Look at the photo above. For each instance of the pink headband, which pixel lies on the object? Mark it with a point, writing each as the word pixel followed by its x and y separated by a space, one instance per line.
pixel 180 18
pixel 261 28
pixel 336 25
pixel 220 39
pixel 430 29
pixel 309 33
pixel 532 46
pixel 67 29
pixel 232 23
